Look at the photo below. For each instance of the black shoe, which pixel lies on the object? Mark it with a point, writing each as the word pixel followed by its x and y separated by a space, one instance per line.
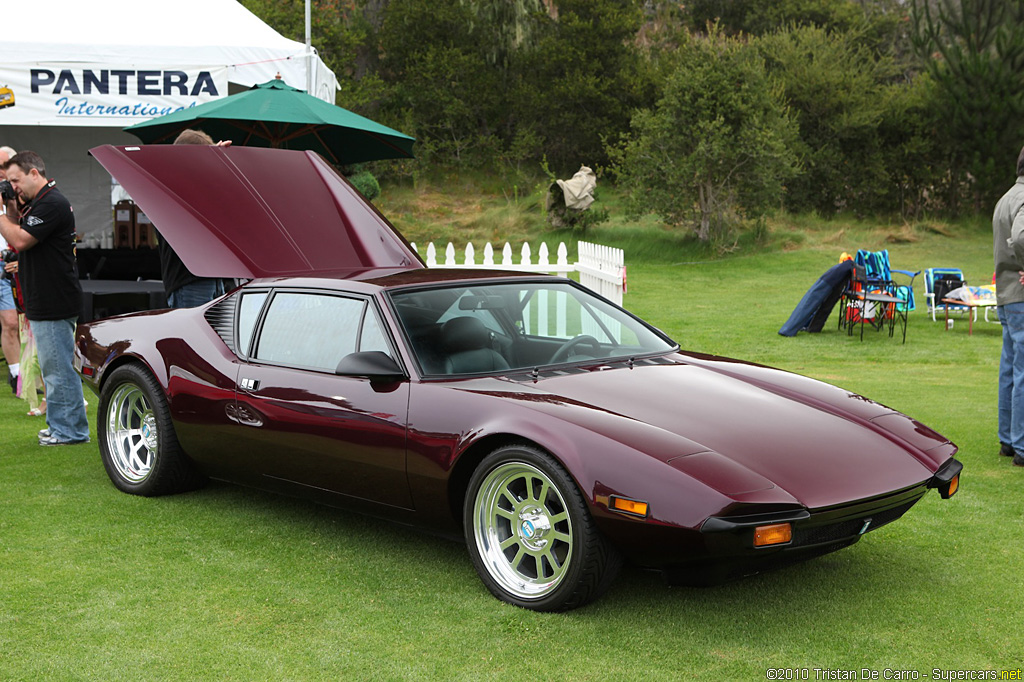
pixel 1018 461
pixel 1006 450
pixel 13 381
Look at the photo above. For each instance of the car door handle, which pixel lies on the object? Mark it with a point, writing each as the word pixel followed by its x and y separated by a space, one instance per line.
pixel 250 384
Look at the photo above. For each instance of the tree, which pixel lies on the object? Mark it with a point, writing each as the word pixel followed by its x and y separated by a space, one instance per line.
pixel 580 81
pixel 974 51
pixel 343 35
pixel 434 59
pixel 910 146
pixel 757 17
pixel 716 147
pixel 877 25
pixel 837 91
pixel 511 23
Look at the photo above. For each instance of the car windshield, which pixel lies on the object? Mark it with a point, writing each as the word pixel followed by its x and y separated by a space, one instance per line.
pixel 497 327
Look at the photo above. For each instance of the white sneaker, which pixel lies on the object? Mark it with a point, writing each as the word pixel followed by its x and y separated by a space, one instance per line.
pixel 52 440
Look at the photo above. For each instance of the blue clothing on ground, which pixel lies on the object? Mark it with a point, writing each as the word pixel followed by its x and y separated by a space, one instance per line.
pixel 814 308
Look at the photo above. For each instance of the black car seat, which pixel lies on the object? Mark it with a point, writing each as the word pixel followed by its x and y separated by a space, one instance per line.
pixel 467 345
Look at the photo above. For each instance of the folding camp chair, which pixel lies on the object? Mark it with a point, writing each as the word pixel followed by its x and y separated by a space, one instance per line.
pixel 872 301
pixel 877 269
pixel 940 281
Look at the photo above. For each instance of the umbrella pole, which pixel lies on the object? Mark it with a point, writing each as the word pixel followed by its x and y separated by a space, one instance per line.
pixel 330 152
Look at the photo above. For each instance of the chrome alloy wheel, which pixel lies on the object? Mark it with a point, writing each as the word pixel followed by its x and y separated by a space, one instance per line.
pixel 523 530
pixel 132 437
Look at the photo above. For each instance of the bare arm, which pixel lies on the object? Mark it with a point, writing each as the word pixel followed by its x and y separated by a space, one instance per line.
pixel 12 232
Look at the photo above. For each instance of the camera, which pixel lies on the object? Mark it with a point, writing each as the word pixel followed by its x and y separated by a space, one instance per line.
pixel 7 191
pixel 7 256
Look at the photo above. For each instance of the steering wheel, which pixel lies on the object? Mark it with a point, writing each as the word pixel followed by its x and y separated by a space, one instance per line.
pixel 565 351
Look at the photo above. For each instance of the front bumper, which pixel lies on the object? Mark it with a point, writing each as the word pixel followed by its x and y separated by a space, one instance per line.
pixel 730 540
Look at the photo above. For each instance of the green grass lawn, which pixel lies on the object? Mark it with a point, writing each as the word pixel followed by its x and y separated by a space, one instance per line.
pixel 230 584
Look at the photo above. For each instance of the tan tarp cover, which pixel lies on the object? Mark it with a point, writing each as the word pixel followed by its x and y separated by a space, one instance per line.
pixel 579 191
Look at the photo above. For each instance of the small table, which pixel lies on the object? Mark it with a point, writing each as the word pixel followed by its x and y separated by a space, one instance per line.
pixel 972 312
pixel 887 308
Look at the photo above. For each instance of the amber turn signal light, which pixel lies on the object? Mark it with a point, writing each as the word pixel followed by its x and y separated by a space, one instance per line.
pixel 634 507
pixel 948 488
pixel 775 534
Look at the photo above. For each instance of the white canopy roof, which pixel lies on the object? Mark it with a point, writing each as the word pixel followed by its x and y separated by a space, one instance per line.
pixel 179 34
pixel 74 72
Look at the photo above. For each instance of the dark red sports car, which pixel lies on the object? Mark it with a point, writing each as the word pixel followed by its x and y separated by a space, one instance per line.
pixel 554 431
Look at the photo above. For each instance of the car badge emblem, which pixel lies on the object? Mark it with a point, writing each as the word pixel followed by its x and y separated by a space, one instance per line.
pixel 528 529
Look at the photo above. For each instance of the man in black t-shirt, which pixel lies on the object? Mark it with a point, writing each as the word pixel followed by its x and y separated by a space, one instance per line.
pixel 45 240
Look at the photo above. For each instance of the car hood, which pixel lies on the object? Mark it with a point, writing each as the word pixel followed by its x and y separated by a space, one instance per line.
pixel 820 444
pixel 247 212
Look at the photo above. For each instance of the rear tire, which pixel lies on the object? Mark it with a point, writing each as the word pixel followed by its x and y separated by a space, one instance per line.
pixel 138 444
pixel 530 535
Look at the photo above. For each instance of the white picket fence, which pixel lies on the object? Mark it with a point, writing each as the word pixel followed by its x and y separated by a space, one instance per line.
pixel 602 269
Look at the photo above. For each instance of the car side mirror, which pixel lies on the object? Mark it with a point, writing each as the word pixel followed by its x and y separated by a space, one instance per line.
pixel 372 364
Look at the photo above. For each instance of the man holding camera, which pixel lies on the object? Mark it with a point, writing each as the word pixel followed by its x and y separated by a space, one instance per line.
pixel 48 272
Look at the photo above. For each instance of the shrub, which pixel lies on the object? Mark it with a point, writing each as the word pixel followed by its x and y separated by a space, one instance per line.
pixel 834 88
pixel 715 150
pixel 366 183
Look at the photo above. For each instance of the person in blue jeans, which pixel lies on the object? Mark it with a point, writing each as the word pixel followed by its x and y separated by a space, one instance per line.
pixel 1008 248
pixel 9 336
pixel 9 339
pixel 45 239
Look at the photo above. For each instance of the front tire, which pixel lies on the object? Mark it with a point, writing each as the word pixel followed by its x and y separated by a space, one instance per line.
pixel 530 535
pixel 138 444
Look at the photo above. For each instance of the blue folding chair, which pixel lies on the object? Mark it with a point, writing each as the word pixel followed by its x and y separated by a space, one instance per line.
pixel 878 270
pixel 940 281
pixel 872 301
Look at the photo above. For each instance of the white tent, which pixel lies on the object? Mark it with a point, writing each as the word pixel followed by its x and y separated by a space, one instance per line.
pixel 73 73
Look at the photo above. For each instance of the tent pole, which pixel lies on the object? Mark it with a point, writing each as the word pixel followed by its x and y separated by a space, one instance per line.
pixel 309 52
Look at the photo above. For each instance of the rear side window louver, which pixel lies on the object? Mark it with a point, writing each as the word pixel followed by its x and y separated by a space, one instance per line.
pixel 222 318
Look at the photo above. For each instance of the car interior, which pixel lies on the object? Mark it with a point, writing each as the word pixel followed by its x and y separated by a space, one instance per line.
pixel 460 330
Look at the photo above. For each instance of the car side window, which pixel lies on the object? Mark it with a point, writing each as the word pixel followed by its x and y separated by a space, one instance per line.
pixel 373 337
pixel 310 330
pixel 248 313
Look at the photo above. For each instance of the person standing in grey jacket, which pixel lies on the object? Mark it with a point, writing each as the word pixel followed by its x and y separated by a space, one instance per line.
pixel 1008 248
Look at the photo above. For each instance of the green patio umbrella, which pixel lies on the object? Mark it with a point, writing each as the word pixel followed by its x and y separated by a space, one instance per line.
pixel 274 114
